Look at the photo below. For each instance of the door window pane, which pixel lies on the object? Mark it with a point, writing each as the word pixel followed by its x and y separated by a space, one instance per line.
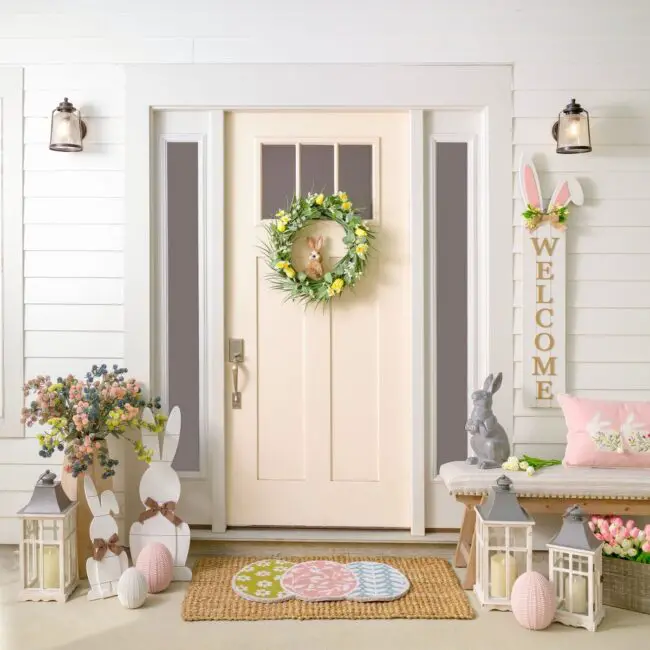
pixel 183 295
pixel 316 168
pixel 355 176
pixel 450 186
pixel 278 177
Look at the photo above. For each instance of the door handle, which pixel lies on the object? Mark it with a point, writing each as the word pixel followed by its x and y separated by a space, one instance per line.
pixel 236 357
pixel 236 395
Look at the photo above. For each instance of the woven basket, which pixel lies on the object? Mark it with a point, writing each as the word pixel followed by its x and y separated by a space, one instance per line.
pixel 626 585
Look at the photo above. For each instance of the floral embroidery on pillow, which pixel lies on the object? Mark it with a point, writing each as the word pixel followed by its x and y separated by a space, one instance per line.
pixel 605 439
pixel 639 441
pixel 637 438
pixel 610 440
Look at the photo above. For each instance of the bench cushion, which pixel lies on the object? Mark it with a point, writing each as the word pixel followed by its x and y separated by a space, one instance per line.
pixel 559 481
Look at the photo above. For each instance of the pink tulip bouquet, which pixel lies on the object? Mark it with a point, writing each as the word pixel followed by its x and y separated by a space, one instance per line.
pixel 623 539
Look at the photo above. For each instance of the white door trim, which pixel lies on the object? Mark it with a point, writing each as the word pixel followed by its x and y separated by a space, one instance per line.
pixel 368 87
pixel 11 243
pixel 418 336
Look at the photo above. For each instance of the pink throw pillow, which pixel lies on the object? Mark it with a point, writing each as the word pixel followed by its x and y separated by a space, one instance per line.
pixel 606 434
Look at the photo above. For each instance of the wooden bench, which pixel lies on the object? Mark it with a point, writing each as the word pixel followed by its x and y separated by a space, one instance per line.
pixel 549 491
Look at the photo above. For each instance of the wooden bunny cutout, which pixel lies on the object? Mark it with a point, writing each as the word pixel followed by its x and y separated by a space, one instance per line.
pixel 109 560
pixel 160 490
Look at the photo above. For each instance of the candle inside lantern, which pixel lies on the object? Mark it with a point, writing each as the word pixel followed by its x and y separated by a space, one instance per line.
pixel 576 599
pixel 500 582
pixel 50 567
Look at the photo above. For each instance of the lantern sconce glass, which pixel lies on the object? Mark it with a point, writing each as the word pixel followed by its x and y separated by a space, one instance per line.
pixel 68 129
pixel 571 131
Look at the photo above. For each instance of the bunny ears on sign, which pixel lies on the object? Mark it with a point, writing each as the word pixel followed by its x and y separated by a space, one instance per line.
pixel 100 505
pixel 567 191
pixel 150 439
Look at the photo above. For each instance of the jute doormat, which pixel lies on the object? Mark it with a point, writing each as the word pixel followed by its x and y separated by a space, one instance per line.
pixel 435 594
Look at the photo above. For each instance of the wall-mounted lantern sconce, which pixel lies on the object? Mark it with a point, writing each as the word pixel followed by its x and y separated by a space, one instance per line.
pixel 571 131
pixel 68 129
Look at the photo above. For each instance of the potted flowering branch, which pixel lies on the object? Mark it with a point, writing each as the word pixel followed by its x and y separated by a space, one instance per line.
pixel 626 562
pixel 80 415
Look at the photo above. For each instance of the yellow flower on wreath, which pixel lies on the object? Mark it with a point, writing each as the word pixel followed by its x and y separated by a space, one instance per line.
pixel 362 249
pixel 336 287
pixel 360 232
pixel 290 272
pixel 319 199
pixel 282 265
pixel 347 205
pixel 283 220
pixel 343 196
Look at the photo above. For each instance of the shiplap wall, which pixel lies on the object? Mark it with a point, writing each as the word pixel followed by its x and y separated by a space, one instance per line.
pixel 595 50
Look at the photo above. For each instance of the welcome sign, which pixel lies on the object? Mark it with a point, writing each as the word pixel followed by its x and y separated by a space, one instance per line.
pixel 544 288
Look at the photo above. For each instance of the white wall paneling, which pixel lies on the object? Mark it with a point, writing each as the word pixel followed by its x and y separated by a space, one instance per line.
pixel 83 184
pixel 93 345
pixel 74 291
pixel 94 211
pixel 66 263
pixel 62 237
pixel 74 318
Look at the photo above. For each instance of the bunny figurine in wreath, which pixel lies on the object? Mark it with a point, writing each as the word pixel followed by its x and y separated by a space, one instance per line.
pixel 314 268
pixel 489 440
pixel 109 560
pixel 160 490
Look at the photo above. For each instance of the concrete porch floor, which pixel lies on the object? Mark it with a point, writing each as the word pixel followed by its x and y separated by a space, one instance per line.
pixel 105 625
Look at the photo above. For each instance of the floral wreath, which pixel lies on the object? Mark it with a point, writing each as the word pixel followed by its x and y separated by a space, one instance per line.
pixel 282 233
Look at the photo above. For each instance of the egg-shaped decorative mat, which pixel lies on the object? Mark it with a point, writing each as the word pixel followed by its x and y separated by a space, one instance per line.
pixel 377 582
pixel 261 581
pixel 319 580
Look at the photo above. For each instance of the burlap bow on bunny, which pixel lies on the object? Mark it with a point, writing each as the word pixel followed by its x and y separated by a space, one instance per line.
pixel 166 509
pixel 538 218
pixel 100 546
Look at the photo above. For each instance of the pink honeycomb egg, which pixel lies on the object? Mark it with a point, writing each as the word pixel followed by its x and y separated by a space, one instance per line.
pixel 533 601
pixel 156 565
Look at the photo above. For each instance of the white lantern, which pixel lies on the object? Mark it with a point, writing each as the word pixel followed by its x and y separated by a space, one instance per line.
pixel 575 567
pixel 48 546
pixel 504 545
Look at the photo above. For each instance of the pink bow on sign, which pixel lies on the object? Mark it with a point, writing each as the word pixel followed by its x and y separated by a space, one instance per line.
pixel 166 509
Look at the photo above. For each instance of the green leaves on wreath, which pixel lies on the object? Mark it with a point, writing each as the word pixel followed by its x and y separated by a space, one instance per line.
pixel 349 239
pixel 328 278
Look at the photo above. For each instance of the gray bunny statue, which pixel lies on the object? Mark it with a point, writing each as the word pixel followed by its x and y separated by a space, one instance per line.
pixel 489 439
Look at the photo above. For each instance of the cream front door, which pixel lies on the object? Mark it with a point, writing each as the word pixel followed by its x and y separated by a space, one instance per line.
pixel 322 438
